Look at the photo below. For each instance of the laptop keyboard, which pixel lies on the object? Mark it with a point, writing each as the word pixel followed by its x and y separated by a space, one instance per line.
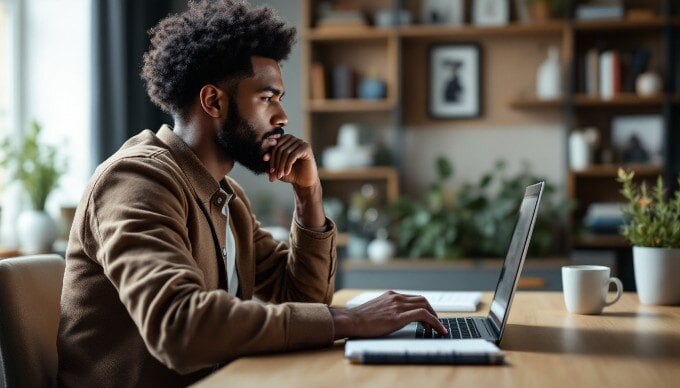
pixel 459 328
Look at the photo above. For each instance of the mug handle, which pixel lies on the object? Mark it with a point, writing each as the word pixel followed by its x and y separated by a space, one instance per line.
pixel 619 290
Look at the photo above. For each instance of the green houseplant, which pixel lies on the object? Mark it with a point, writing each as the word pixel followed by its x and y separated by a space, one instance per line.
pixel 652 225
pixel 477 220
pixel 37 168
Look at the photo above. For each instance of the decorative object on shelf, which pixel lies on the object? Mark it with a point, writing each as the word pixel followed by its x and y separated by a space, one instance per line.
pixel 38 169
pixel 540 11
pixel 638 139
pixel 648 84
pixel 348 153
pixel 389 18
pixel 581 146
pixel 381 250
pixel 478 219
pixel 490 12
pixel 450 12
pixel 604 218
pixel 522 11
pixel 340 14
pixel 372 88
pixel 454 84
pixel 343 82
pixel 548 80
pixel 653 228
pixel 609 10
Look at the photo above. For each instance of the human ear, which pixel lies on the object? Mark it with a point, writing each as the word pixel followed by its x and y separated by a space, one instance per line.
pixel 213 101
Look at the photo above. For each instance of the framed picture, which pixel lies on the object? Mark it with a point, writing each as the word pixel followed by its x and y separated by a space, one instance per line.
pixel 638 139
pixel 490 12
pixel 454 85
pixel 450 12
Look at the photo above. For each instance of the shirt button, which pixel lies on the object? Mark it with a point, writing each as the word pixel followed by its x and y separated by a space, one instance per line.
pixel 224 252
pixel 219 201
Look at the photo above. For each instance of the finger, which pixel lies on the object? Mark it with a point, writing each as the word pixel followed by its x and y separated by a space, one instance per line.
pixel 424 316
pixel 420 301
pixel 293 156
pixel 288 154
pixel 278 150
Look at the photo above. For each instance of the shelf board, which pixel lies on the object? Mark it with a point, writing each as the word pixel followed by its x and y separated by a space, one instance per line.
pixel 349 33
pixel 601 241
pixel 375 173
pixel 611 170
pixel 624 99
pixel 533 102
pixel 623 24
pixel 434 31
pixel 350 105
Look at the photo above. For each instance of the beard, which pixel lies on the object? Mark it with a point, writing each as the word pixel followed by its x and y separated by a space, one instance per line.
pixel 238 138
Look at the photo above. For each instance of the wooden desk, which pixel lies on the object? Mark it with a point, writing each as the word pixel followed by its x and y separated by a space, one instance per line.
pixel 630 345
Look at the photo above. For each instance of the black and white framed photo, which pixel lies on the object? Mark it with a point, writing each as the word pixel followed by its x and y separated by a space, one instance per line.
pixel 638 139
pixel 454 84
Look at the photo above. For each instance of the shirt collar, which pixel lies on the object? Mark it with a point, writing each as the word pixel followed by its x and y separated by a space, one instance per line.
pixel 204 185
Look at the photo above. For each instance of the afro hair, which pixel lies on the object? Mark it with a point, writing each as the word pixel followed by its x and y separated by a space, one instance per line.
pixel 211 42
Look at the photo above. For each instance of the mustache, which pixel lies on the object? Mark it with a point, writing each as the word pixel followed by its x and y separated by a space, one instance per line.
pixel 275 131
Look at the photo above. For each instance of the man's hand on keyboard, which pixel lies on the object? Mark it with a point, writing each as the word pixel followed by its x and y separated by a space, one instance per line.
pixel 383 315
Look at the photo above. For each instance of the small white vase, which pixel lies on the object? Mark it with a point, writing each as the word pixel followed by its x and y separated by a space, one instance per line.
pixel 37 232
pixel 657 271
pixel 548 78
pixel 381 249
pixel 648 84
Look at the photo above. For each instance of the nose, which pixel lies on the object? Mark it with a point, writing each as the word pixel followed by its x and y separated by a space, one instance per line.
pixel 280 119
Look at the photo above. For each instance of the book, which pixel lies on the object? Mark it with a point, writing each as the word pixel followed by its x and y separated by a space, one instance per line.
pixel 610 74
pixel 439 300
pixel 318 82
pixel 599 12
pixel 592 72
pixel 421 351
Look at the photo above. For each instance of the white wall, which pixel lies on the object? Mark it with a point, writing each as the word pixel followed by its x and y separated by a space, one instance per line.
pixel 57 86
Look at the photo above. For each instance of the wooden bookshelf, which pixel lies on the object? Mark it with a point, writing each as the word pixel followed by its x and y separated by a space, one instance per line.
pixel 469 31
pixel 535 103
pixel 388 175
pixel 350 105
pixel 622 25
pixel 622 100
pixel 348 33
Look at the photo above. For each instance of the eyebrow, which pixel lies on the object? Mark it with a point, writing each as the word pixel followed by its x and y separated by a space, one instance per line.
pixel 276 91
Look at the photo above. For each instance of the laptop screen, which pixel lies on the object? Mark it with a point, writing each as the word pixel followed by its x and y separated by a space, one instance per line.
pixel 512 266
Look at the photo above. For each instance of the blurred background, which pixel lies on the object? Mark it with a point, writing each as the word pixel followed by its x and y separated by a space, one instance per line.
pixel 427 119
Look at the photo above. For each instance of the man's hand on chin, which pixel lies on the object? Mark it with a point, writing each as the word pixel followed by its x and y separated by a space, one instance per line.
pixel 291 160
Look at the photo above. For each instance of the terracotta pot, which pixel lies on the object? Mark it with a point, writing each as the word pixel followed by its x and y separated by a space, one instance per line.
pixel 539 11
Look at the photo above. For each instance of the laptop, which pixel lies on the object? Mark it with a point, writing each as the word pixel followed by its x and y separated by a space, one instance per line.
pixel 491 327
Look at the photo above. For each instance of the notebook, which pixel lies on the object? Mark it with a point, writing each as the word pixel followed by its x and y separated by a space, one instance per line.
pixel 445 301
pixel 411 351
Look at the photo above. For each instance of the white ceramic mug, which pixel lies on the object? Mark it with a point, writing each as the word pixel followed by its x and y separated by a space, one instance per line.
pixel 586 287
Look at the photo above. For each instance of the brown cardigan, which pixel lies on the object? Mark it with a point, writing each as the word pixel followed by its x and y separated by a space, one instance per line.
pixel 144 300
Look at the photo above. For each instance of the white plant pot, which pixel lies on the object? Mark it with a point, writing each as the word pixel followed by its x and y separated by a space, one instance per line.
pixel 657 271
pixel 37 232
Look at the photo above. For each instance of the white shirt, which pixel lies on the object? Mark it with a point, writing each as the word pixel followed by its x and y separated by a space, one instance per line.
pixel 229 252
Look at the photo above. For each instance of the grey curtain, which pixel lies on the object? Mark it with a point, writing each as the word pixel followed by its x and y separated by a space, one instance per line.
pixel 120 105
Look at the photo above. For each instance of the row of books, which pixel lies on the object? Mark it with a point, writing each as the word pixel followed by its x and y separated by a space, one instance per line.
pixel 608 73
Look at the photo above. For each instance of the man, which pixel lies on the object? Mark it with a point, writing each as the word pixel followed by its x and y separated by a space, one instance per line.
pixel 165 253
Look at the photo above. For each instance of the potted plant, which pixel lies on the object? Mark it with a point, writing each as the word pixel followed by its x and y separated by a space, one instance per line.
pixel 652 225
pixel 476 220
pixel 38 169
